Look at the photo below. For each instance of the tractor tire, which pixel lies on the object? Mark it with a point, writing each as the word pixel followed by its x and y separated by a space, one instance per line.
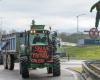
pixel 5 61
pixel 34 68
pixel 20 68
pixel 10 61
pixel 24 70
pixel 56 66
pixel 49 70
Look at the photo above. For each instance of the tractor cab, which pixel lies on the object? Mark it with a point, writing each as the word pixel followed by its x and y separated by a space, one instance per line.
pixel 39 37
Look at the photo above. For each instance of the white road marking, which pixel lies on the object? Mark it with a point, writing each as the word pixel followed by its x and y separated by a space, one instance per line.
pixel 72 72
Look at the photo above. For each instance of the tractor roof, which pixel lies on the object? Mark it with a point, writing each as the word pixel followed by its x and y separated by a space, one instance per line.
pixel 41 27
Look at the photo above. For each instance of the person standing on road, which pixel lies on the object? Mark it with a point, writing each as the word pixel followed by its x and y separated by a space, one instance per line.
pixel 97 6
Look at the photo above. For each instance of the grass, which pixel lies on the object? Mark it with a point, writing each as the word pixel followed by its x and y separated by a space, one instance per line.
pixel 89 52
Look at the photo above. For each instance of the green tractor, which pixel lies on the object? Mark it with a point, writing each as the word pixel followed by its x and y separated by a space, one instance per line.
pixel 39 51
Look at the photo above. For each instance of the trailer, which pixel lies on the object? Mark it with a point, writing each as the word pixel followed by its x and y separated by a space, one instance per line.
pixel 11 47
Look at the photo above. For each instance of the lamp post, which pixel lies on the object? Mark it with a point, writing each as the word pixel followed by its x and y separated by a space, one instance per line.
pixel 78 21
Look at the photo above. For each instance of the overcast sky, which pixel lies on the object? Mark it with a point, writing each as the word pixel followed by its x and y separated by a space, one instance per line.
pixel 60 14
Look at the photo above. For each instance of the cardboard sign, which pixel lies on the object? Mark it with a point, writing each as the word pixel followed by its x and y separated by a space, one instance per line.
pixel 39 54
pixel 38 60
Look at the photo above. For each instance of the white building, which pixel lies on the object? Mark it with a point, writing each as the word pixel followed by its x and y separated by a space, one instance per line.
pixel 68 44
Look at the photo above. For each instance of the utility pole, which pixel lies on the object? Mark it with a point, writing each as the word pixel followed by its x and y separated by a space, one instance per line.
pixel 78 21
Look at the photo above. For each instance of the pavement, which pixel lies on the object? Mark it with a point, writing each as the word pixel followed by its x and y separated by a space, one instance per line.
pixel 41 74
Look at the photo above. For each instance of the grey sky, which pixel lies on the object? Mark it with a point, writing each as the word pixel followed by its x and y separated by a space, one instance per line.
pixel 60 14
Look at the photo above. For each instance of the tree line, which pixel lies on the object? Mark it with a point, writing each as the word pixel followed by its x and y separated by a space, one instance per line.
pixel 74 37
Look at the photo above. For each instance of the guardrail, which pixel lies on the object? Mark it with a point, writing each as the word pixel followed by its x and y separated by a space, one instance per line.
pixel 91 70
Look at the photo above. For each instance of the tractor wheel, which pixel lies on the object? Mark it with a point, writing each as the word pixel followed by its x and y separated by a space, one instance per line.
pixel 5 61
pixel 20 69
pixel 34 68
pixel 49 70
pixel 1 59
pixel 56 66
pixel 24 70
pixel 10 61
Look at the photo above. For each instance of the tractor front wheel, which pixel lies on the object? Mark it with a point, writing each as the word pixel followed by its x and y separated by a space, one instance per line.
pixel 56 66
pixel 49 70
pixel 24 70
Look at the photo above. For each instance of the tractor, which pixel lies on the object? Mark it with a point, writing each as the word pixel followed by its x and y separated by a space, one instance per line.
pixel 35 48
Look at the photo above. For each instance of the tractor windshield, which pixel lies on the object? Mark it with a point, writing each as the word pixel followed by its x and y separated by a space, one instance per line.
pixel 39 37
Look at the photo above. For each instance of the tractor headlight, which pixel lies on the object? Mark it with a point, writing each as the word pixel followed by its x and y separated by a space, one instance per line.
pixel 33 31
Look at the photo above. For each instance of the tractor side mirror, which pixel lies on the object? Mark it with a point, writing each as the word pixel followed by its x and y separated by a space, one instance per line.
pixel 55 34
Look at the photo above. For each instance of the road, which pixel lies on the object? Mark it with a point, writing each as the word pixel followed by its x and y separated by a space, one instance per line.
pixel 39 74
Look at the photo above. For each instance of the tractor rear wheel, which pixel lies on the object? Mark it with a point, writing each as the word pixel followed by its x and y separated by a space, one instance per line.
pixel 10 61
pixel 24 70
pixel 56 66
pixel 49 70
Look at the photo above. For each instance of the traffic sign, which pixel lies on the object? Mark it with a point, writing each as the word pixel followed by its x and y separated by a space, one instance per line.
pixel 93 33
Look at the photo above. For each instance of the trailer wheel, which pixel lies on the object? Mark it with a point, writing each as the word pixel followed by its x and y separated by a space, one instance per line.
pixel 49 70
pixel 20 69
pixel 5 61
pixel 56 66
pixel 10 61
pixel 1 59
pixel 24 70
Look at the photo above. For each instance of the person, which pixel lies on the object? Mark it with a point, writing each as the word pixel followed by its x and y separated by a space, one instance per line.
pixel 36 39
pixel 44 38
pixel 97 6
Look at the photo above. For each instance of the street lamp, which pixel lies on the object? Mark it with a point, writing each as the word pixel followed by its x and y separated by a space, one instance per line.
pixel 78 21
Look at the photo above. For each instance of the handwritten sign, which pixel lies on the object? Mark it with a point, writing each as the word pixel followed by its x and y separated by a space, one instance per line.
pixel 38 60
pixel 39 54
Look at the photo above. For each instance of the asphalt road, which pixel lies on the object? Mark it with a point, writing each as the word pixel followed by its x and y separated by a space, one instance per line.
pixel 39 74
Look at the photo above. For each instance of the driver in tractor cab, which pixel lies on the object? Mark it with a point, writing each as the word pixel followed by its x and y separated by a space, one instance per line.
pixel 36 39
pixel 44 39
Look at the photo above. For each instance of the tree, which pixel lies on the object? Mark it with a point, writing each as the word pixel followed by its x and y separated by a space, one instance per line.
pixel 72 37
pixel 62 36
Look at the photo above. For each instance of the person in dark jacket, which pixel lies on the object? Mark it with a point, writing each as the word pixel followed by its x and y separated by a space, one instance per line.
pixel 97 6
pixel 36 39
